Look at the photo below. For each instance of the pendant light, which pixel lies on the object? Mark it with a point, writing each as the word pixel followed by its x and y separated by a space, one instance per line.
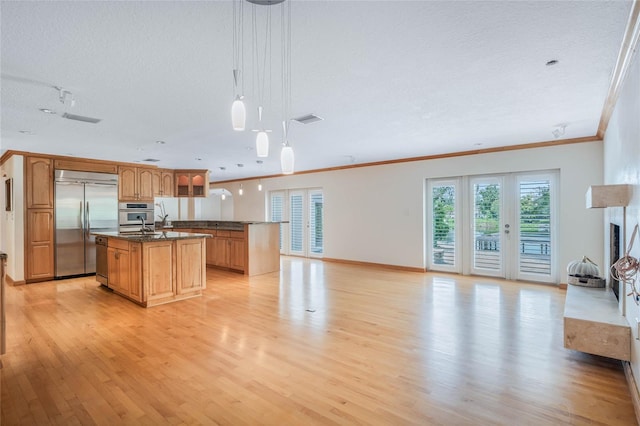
pixel 238 111
pixel 286 160
pixel 286 155
pixel 262 139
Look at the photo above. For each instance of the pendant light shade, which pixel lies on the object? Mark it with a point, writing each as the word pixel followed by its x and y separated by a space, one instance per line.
pixel 238 114
pixel 262 144
pixel 286 160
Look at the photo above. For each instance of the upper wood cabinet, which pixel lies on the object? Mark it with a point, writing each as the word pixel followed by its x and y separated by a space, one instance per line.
pixel 192 183
pixel 39 178
pixel 162 183
pixel 135 183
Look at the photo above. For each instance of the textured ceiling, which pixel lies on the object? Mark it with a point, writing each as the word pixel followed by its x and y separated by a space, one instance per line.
pixel 392 79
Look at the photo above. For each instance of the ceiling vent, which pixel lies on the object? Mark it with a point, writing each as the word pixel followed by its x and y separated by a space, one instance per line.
pixel 81 118
pixel 308 119
pixel 151 160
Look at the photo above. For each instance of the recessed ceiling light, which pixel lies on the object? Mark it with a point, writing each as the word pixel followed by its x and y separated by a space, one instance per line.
pixel 477 144
pixel 198 159
pixel 47 111
pixel 240 165
pixel 259 161
pixel 308 119
pixel 223 168
pixel 160 142
pixel 26 132
pixel 151 160
pixel 139 148
pixel 551 62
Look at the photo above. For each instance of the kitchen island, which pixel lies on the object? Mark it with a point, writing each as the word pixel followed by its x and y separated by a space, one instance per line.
pixel 248 247
pixel 156 267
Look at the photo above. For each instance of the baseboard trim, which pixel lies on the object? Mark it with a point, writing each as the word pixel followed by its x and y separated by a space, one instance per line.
pixel 633 388
pixel 562 286
pixel 13 282
pixel 375 265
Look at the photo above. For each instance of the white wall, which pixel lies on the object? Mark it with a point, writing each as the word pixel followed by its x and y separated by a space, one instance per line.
pixel 376 214
pixel 12 223
pixel 622 165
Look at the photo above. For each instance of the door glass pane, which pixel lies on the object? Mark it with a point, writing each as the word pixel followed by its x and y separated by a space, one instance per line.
pixel 444 224
pixel 277 207
pixel 535 226
pixel 316 239
pixel 296 221
pixel 486 226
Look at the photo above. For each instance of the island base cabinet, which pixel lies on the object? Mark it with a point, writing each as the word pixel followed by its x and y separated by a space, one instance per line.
pixel 159 275
pixel 190 261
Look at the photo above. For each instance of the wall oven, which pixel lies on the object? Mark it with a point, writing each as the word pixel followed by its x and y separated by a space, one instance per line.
pixel 132 216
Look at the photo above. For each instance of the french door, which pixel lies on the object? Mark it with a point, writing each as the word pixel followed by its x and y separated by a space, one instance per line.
pixel 510 226
pixel 304 210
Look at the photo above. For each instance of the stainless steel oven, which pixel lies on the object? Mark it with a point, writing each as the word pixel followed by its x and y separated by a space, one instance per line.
pixel 132 216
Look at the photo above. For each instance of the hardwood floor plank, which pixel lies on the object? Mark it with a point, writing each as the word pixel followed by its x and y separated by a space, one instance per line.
pixel 314 344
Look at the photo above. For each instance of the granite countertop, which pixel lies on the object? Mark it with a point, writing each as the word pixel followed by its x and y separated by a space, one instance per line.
pixel 221 225
pixel 152 236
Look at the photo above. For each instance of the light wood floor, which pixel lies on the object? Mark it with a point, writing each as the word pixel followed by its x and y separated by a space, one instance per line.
pixel 316 344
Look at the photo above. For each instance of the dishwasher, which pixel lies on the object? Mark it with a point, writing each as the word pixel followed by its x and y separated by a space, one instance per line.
pixel 102 275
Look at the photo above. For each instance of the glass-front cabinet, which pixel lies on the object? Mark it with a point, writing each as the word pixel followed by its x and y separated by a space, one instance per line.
pixel 192 183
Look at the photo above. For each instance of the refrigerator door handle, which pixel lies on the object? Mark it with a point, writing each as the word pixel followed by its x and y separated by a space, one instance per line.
pixel 88 228
pixel 81 216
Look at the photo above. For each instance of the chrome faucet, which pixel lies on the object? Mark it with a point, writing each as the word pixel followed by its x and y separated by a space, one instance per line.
pixel 144 228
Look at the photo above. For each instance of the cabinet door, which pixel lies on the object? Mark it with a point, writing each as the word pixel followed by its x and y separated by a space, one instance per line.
pixel 39 182
pixel 124 275
pixel 167 183
pixel 135 271
pixel 190 266
pixel 183 185
pixel 199 185
pixel 39 244
pixel 127 184
pixel 113 270
pixel 237 254
pixel 210 245
pixel 158 273
pixel 221 250
pixel 145 184
pixel 156 177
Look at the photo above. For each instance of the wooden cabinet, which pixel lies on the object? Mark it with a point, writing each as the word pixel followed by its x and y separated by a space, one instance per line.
pixel 39 178
pixel 225 249
pixel 135 183
pixel 39 249
pixel 163 183
pixel 237 256
pixel 118 270
pixel 221 251
pixel 124 266
pixel 191 183
pixel 254 250
pixel 190 266
pixel 135 272
pixel 159 270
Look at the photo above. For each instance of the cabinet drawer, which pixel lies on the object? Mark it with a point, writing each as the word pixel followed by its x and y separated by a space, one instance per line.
pixel 223 234
pixel 236 234
pixel 118 243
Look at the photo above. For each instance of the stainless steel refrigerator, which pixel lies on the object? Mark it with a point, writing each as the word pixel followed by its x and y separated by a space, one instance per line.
pixel 85 202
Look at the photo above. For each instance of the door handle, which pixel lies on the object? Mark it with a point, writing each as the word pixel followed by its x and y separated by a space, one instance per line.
pixel 82 216
pixel 88 228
